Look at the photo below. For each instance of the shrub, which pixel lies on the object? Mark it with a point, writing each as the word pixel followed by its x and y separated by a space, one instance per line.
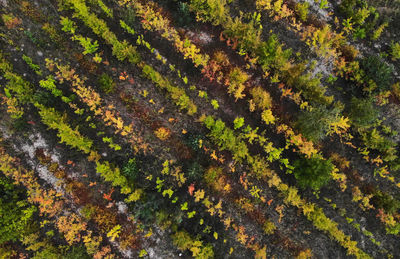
pixel 130 170
pixel 315 124
pixel 272 54
pixel 374 140
pixel 377 71
pixel 10 21
pixel 395 50
pixel 302 10
pixel 106 83
pixel 238 122
pixel 213 11
pixel 362 112
pixel 385 201
pixel 312 172
pixel 16 213
pixel 237 78
pixel 261 98
pixel 269 227
pixel 162 133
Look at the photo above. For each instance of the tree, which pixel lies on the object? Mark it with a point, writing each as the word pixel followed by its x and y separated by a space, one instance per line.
pixel 15 212
pixel 312 172
pixel 362 112
pixel 378 72
pixel 315 124
pixel 261 98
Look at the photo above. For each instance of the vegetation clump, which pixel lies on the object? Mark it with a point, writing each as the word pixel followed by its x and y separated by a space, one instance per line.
pixel 313 172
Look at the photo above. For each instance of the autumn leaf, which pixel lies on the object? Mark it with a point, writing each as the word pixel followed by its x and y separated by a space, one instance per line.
pixel 199 195
pixel 108 196
pixel 213 155
pixel 191 189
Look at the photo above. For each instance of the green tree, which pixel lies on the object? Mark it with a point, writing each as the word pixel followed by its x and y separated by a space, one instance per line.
pixel 377 73
pixel 362 112
pixel 15 212
pixel 315 124
pixel 312 172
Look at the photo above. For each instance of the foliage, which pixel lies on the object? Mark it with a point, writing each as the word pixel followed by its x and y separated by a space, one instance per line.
pixel 30 63
pixel 72 137
pixel 395 50
pixel 16 214
pixel 238 122
pixel 374 140
pixel 261 98
pixel 49 84
pixel 236 86
pixel 313 172
pixel 267 117
pixel 377 71
pixel 214 104
pixel 362 112
pixel 185 242
pixel 315 124
pixel 68 25
pixel 269 227
pixel 122 50
pixel 177 94
pixel 10 21
pixel 214 11
pixel 302 10
pixel 215 178
pixel 130 169
pixel 106 83
pixel 162 133
pixel 89 46
pixel 225 138
pixel 386 201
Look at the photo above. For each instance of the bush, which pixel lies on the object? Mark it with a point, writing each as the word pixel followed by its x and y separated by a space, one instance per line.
pixel 261 98
pixel 312 172
pixel 385 201
pixel 302 10
pixel 130 170
pixel 395 50
pixel 315 124
pixel 378 72
pixel 106 83
pixel 362 112
pixel 16 214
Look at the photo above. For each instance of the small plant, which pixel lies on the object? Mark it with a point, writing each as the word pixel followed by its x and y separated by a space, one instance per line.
pixel 10 21
pixel 162 133
pixel 238 122
pixel 214 104
pixel 30 63
pixel 302 10
pixel 269 227
pixel 90 47
pixel 130 170
pixel 68 25
pixel 106 83
pixel 395 50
